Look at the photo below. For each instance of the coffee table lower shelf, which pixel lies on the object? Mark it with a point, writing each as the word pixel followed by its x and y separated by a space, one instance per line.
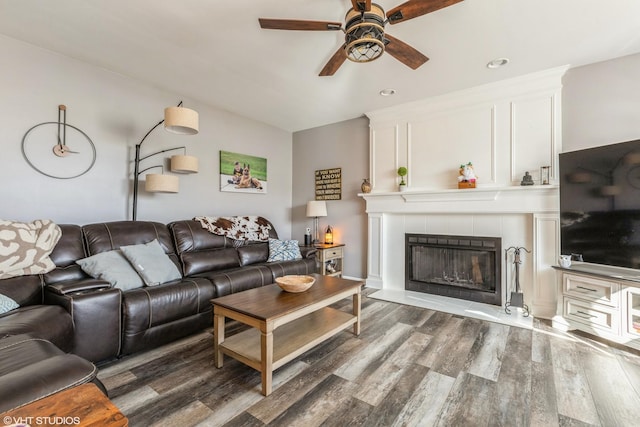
pixel 289 340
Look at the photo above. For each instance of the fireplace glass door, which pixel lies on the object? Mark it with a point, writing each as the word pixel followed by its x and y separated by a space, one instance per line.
pixel 465 267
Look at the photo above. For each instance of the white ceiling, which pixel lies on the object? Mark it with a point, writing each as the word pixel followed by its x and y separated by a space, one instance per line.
pixel 215 52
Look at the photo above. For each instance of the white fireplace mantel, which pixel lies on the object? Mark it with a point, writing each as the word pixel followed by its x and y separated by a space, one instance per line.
pixel 513 199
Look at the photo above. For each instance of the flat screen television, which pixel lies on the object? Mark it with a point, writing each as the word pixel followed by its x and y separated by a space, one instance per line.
pixel 600 204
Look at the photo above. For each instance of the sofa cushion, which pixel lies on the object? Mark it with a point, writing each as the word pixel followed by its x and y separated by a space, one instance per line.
pixel 253 253
pixel 50 322
pixel 70 248
pixel 148 307
pixel 202 262
pixel 300 266
pixel 151 263
pixel 107 236
pixel 113 267
pixel 32 368
pixel 240 279
pixel 283 250
pixel 25 290
pixel 7 304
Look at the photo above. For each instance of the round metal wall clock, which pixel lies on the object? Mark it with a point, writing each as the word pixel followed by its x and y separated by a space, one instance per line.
pixel 58 149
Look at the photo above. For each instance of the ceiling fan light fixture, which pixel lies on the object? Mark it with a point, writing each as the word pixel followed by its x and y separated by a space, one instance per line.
pixel 364 34
pixel 364 49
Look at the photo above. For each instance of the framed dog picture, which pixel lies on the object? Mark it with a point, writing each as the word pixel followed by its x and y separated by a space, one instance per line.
pixel 242 173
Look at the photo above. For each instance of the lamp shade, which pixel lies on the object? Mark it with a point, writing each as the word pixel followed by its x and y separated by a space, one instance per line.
pixel 160 183
pixel 316 208
pixel 184 164
pixel 180 120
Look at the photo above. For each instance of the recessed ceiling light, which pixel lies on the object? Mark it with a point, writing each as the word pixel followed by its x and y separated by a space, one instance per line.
pixel 497 63
pixel 387 92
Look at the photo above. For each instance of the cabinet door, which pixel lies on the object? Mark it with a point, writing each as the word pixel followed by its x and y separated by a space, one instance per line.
pixel 632 318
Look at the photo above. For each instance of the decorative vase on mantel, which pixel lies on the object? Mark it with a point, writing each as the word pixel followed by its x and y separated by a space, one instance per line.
pixel 366 185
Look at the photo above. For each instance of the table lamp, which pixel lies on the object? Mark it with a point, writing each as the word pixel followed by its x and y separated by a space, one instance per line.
pixel 315 209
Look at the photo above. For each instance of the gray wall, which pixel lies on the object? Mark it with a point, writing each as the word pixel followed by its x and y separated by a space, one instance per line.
pixel 116 112
pixel 601 103
pixel 340 145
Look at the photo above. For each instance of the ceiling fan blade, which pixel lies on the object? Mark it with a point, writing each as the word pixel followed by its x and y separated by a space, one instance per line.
pixel 414 8
pixel 404 53
pixel 361 5
pixel 334 63
pixel 294 24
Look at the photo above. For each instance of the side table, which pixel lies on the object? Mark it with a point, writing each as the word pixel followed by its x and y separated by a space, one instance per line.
pixel 330 258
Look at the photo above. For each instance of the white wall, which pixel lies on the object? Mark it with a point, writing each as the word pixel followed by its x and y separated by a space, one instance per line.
pixel 116 112
pixel 340 145
pixel 504 128
pixel 601 103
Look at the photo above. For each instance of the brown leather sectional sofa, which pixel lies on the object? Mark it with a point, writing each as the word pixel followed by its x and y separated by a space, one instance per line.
pixel 86 317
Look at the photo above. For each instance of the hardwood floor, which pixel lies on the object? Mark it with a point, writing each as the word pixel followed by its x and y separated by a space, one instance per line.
pixel 409 367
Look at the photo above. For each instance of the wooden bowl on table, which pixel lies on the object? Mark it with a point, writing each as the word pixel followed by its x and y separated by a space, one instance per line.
pixel 295 283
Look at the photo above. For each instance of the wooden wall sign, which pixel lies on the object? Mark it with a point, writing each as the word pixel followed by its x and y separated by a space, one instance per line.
pixel 329 184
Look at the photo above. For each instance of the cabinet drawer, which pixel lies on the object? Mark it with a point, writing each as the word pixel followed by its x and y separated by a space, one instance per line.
pixel 592 289
pixel 332 253
pixel 594 315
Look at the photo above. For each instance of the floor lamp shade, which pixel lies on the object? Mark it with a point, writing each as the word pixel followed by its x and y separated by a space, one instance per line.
pixel 160 183
pixel 181 120
pixel 184 164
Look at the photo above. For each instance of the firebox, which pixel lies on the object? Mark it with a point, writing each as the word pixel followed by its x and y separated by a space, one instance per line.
pixel 465 267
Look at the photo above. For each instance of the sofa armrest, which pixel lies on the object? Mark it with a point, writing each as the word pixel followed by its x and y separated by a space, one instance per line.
pixel 308 251
pixel 78 286
pixel 96 315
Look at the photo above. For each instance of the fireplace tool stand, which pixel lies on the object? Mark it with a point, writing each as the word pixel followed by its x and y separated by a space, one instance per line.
pixel 517 299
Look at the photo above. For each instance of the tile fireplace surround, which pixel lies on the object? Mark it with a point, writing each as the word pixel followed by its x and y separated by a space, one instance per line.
pixel 521 216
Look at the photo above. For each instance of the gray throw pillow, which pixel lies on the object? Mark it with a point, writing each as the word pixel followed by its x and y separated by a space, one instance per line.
pixel 7 304
pixel 154 266
pixel 113 267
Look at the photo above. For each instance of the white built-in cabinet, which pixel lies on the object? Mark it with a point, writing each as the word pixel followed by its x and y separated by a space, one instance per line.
pixel 595 300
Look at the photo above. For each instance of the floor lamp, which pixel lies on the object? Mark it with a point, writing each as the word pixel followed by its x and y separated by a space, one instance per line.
pixel 178 120
pixel 315 209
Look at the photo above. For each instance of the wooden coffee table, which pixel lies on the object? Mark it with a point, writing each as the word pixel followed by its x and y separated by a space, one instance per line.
pixel 284 325
pixel 84 405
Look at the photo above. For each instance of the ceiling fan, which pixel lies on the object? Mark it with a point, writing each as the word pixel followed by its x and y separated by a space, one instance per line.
pixel 365 39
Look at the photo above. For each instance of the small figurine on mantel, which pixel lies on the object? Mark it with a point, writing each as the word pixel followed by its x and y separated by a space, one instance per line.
pixel 467 177
pixel 527 179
